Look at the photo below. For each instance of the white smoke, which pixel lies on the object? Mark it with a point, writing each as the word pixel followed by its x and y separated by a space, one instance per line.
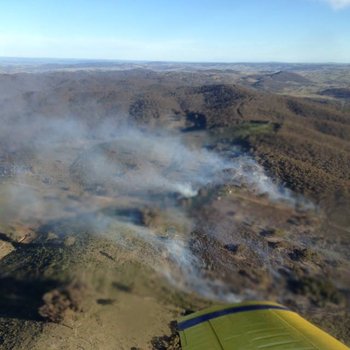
pixel 76 170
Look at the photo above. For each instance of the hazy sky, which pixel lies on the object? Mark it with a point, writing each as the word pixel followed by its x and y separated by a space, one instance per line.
pixel 178 30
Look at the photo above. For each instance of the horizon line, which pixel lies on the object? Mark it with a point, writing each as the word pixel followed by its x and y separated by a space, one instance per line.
pixel 111 60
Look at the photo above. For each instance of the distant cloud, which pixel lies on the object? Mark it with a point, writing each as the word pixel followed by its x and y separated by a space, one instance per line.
pixel 339 4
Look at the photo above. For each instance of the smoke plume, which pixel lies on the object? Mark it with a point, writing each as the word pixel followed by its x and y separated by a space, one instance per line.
pixel 127 181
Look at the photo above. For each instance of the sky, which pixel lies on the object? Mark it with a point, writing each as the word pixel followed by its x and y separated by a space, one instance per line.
pixel 178 30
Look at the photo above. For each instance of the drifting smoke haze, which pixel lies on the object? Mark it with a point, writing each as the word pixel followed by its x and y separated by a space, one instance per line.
pixel 107 176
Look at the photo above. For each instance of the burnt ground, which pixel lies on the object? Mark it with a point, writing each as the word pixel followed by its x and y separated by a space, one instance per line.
pixel 63 282
pixel 277 252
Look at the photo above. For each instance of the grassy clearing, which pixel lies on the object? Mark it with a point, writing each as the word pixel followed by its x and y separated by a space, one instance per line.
pixel 242 131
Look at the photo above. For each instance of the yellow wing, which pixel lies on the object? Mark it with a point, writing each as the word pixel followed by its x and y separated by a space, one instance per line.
pixel 252 326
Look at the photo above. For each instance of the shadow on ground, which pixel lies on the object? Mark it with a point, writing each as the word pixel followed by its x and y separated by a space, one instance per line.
pixel 21 299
